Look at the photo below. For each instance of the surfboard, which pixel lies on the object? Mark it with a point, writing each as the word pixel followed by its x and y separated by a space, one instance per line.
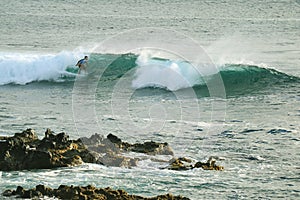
pixel 70 74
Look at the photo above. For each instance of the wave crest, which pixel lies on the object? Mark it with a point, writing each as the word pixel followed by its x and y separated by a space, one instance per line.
pixel 21 68
pixel 176 75
pixel 150 72
pixel 172 75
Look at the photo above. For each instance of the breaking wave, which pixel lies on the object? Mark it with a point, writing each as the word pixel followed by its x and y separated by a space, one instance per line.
pixel 170 75
pixel 21 68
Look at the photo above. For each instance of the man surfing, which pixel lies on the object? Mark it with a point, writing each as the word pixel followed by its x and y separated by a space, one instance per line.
pixel 82 64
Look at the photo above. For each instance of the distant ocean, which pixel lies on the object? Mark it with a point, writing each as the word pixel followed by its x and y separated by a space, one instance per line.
pixel 211 78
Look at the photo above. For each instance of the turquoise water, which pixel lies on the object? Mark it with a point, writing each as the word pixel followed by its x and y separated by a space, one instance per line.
pixel 211 78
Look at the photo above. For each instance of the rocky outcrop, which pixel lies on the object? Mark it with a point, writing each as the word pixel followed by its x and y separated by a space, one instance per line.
pixel 180 164
pixel 101 145
pixel 25 151
pixel 151 148
pixel 84 193
pixel 187 164
pixel 110 150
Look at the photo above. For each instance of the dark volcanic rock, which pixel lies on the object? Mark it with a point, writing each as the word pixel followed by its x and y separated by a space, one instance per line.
pixel 77 192
pixel 117 160
pixel 97 143
pixel 186 164
pixel 25 151
pixel 108 151
pixel 180 164
pixel 210 164
pixel 46 191
pixel 114 139
pixel 151 148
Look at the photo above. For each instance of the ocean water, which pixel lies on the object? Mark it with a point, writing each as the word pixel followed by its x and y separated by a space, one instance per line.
pixel 211 78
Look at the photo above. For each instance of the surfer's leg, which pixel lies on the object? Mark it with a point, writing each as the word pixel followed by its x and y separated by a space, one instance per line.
pixel 84 69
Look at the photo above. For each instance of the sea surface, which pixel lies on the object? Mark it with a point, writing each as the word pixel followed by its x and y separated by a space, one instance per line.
pixel 211 78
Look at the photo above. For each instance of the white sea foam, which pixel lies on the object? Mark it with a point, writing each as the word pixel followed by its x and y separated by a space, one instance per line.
pixel 169 74
pixel 22 68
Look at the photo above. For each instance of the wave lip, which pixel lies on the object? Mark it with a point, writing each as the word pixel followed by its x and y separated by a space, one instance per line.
pixel 21 68
pixel 150 72
pixel 177 75
pixel 167 74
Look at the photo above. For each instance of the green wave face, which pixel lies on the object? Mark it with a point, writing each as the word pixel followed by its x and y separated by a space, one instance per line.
pixel 238 79
pixel 157 76
pixel 241 79
pixel 239 74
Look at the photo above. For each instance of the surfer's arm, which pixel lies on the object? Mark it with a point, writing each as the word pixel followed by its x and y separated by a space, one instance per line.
pixel 80 62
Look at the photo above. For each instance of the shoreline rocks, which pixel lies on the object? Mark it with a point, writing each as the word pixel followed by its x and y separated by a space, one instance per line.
pixel 150 148
pixel 82 193
pixel 101 145
pixel 187 164
pixel 110 150
pixel 24 151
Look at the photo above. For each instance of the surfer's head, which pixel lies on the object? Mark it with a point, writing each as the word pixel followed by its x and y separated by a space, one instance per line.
pixel 86 57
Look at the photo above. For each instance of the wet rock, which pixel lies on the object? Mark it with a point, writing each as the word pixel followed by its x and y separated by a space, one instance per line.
pixel 110 151
pixel 93 140
pixel 88 156
pixel 7 193
pixel 43 190
pixel 180 164
pixel 97 143
pixel 52 141
pixel 66 192
pixel 19 191
pixel 37 160
pixel 14 149
pixel 186 164
pixel 26 136
pixel 79 192
pixel 210 164
pixel 30 194
pixel 114 139
pixel 116 160
pixel 25 151
pixel 151 148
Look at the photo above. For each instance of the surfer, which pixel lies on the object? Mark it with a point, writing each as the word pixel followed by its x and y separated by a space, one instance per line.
pixel 82 64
